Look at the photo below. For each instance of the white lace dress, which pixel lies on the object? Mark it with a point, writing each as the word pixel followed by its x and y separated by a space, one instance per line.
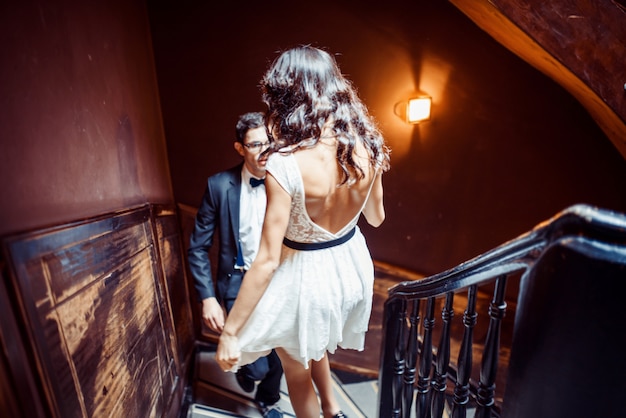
pixel 318 299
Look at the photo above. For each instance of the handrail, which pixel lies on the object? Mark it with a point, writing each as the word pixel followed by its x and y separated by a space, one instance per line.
pixel 402 314
pixel 515 255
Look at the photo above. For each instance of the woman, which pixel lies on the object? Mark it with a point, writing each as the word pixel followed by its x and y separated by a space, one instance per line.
pixel 310 287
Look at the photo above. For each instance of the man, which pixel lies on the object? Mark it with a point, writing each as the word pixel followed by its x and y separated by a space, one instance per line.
pixel 234 203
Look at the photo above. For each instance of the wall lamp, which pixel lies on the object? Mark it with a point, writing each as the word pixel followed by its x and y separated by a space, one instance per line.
pixel 414 110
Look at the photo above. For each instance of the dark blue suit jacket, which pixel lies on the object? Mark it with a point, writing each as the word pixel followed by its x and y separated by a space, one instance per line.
pixel 219 210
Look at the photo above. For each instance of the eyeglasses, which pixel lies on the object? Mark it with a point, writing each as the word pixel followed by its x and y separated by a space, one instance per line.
pixel 256 146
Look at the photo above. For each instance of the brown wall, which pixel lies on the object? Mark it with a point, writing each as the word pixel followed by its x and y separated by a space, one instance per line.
pixel 79 111
pixel 84 304
pixel 506 148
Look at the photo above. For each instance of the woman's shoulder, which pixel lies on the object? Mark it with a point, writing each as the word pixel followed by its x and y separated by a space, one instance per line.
pixel 279 158
pixel 284 169
pixel 280 164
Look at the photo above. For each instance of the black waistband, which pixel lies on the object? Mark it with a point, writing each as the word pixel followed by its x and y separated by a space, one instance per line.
pixel 310 246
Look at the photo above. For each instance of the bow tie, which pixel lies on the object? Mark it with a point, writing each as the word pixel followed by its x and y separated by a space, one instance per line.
pixel 256 182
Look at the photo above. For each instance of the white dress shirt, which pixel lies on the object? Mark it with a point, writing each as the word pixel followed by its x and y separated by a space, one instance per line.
pixel 251 214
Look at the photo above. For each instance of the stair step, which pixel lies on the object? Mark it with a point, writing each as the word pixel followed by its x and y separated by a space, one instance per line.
pixel 217 392
pixel 203 411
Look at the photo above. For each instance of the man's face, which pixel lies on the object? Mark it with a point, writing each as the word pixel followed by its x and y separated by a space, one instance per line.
pixel 254 143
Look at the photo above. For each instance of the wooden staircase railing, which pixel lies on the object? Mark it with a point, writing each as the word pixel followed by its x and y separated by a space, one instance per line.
pixel 590 239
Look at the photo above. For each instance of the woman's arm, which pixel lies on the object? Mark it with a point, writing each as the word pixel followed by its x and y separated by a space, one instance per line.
pixel 374 210
pixel 258 277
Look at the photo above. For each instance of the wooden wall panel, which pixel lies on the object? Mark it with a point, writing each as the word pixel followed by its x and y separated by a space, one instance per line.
pixel 187 219
pixel 19 393
pixel 172 256
pixel 8 403
pixel 99 316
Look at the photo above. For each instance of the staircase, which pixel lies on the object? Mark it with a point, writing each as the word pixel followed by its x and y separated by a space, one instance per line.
pixel 217 393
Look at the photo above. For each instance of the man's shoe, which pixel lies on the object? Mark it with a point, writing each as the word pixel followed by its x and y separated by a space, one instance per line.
pixel 270 411
pixel 244 381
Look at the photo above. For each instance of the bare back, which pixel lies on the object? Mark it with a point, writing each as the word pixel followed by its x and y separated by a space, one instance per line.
pixel 329 206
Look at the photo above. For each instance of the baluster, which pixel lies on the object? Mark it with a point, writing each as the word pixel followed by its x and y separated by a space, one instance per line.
pixel 411 360
pixel 422 403
pixel 461 389
pixel 489 365
pixel 390 383
pixel 399 363
pixel 443 359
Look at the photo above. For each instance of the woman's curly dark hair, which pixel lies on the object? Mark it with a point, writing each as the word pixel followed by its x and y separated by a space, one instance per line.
pixel 304 90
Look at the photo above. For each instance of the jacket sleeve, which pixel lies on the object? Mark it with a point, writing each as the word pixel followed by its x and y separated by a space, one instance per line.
pixel 200 243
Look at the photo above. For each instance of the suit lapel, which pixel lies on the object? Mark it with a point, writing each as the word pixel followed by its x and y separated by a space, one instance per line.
pixel 233 194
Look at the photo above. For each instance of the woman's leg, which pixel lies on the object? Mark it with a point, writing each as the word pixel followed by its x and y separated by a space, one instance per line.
pixel 320 371
pixel 301 390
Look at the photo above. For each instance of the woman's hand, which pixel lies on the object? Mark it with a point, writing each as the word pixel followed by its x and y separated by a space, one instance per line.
pixel 227 351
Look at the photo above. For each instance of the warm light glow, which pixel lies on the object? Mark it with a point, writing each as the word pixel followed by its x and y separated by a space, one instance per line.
pixel 418 109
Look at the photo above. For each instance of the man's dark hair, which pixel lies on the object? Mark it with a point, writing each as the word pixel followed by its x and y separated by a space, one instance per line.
pixel 247 121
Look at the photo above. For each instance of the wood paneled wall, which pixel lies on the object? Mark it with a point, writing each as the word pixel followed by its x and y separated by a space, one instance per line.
pixel 506 146
pixel 179 289
pixel 106 313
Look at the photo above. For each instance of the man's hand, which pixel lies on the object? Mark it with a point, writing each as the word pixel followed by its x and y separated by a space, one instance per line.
pixel 213 314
